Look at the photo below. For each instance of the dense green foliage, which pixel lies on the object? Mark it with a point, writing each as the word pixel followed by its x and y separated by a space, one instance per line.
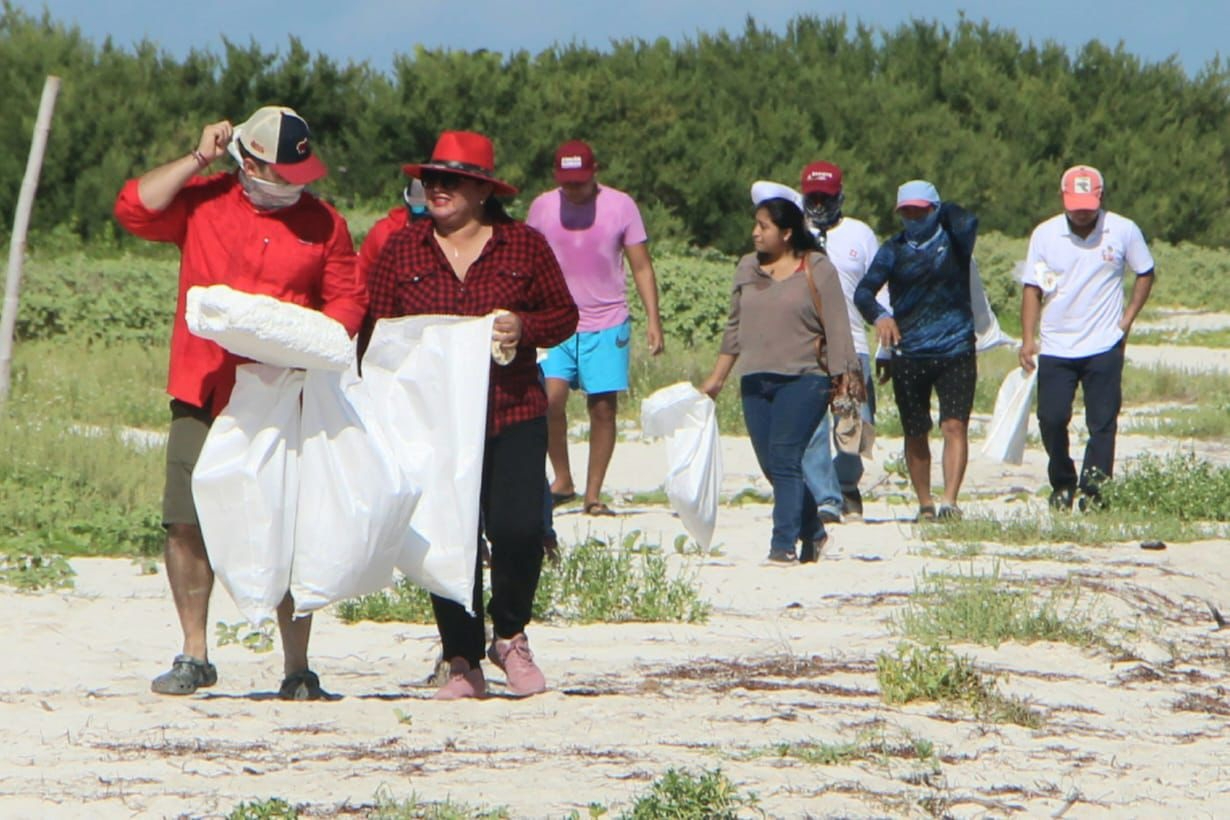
pixel 684 127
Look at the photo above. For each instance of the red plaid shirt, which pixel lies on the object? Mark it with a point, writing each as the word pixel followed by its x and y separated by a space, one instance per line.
pixel 516 271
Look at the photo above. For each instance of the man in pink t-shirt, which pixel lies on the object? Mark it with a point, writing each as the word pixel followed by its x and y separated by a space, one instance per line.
pixel 591 228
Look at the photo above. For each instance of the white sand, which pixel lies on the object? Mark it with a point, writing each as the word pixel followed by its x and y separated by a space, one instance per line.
pixel 83 736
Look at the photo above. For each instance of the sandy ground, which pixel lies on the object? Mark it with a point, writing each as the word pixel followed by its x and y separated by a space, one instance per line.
pixel 788 656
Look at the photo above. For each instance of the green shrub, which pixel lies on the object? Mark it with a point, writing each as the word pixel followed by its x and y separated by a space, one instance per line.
pixel 681 795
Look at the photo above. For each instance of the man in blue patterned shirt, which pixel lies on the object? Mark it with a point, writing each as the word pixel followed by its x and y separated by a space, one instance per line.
pixel 930 333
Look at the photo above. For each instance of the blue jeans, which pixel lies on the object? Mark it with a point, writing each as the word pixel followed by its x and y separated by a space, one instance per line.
pixel 829 476
pixel 781 413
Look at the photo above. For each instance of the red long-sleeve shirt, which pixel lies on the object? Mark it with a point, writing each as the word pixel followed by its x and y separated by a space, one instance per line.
pixel 302 254
pixel 516 271
pixel 386 226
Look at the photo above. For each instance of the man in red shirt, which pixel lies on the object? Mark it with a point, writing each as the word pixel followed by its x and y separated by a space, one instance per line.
pixel 257 230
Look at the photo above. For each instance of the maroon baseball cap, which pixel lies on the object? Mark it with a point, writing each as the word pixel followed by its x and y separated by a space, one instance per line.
pixel 821 178
pixel 574 162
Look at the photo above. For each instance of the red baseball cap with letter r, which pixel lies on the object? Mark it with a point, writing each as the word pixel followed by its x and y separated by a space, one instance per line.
pixel 574 162
pixel 278 136
pixel 1081 187
pixel 821 178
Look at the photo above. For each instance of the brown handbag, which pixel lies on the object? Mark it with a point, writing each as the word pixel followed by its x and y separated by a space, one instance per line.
pixel 821 345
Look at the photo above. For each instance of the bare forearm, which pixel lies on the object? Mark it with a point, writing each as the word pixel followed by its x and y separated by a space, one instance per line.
pixel 158 187
pixel 1141 289
pixel 647 288
pixel 1031 310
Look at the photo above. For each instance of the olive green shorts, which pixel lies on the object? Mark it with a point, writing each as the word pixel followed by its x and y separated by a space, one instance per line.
pixel 189 426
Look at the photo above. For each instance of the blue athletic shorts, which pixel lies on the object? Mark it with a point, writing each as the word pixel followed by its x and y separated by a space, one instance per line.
pixel 594 361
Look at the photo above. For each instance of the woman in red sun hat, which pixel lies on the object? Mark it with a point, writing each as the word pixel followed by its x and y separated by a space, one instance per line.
pixel 470 258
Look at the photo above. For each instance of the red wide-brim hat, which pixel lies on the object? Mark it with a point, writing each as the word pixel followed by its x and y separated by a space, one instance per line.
pixel 466 154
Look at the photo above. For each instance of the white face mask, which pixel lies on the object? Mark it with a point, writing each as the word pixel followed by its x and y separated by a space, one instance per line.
pixel 269 195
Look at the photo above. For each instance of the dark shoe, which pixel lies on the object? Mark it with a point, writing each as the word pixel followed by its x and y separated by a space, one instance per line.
pixel 828 515
pixel 949 512
pixel 186 675
pixel 926 513
pixel 1091 502
pixel 852 505
pixel 301 686
pixel 1061 499
pixel 782 559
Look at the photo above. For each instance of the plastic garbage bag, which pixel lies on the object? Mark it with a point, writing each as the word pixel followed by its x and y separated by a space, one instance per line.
pixel 1010 422
pixel 268 330
pixel 430 374
pixel 245 484
pixel 986 324
pixel 687 419
pixel 355 500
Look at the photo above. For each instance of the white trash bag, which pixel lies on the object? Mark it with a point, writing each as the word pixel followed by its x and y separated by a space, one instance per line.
pixel 268 330
pixel 429 375
pixel 1010 422
pixel 687 419
pixel 355 500
pixel 245 484
pixel 986 323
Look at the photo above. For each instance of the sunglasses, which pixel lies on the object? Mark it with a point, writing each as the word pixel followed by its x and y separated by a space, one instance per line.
pixel 442 179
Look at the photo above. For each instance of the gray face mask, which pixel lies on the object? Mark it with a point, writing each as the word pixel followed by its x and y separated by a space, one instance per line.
pixel 269 196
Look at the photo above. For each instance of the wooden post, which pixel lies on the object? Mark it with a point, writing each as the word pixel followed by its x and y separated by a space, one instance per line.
pixel 21 224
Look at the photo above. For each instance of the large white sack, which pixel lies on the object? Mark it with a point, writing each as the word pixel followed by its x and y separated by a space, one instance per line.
pixel 687 419
pixel 355 497
pixel 986 324
pixel 244 485
pixel 1010 422
pixel 431 375
pixel 265 329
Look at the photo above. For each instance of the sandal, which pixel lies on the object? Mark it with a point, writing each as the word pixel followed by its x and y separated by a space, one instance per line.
pixel 925 513
pixel 301 686
pixel 598 508
pixel 186 675
pixel 561 498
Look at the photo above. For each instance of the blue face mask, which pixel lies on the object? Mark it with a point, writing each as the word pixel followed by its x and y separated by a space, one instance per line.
pixel 920 230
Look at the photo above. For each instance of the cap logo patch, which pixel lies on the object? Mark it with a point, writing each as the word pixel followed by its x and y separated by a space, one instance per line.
pixel 571 163
pixel 258 147
pixel 302 147
pixel 1082 185
pixel 819 176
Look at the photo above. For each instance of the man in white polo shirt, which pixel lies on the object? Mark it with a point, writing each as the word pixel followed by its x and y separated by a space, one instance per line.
pixel 1074 282
pixel 850 245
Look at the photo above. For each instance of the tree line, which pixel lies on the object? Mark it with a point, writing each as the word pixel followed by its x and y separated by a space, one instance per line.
pixel 685 127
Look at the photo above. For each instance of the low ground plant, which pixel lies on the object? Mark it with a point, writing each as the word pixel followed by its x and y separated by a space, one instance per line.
pixel 936 674
pixel 595 581
pixel 874 746
pixel 683 795
pixel 985 608
pixel 1180 485
pixel 273 808
pixel 603 581
pixel 34 570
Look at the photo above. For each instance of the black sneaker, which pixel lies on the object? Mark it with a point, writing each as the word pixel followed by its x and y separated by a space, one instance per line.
pixel 301 686
pixel 1061 499
pixel 949 512
pixel 828 516
pixel 852 504
pixel 186 675
pixel 782 559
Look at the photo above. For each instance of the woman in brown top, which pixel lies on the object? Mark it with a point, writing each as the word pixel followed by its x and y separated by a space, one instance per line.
pixel 774 327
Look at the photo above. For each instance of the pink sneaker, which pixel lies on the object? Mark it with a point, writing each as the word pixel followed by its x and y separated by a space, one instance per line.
pixel 463 682
pixel 513 655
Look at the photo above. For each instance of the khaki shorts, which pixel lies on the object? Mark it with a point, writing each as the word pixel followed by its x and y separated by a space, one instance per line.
pixel 189 426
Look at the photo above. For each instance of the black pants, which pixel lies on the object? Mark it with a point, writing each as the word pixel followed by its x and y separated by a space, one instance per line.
pixel 1101 381
pixel 511 503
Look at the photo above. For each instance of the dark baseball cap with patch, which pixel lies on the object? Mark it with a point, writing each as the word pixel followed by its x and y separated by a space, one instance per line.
pixel 280 137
